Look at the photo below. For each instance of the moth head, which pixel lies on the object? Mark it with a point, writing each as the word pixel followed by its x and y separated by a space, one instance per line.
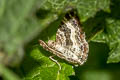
pixel 51 43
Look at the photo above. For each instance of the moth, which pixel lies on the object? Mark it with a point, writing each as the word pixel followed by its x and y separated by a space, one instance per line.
pixel 70 43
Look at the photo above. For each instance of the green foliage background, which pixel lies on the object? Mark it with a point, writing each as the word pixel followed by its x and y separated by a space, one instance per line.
pixel 24 22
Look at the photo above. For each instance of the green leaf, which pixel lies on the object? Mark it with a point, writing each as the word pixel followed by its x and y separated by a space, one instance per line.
pixel 99 37
pixel 89 8
pixel 41 67
pixel 113 39
pixel 111 36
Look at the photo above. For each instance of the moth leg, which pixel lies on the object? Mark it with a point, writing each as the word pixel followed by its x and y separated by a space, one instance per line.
pixel 51 57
